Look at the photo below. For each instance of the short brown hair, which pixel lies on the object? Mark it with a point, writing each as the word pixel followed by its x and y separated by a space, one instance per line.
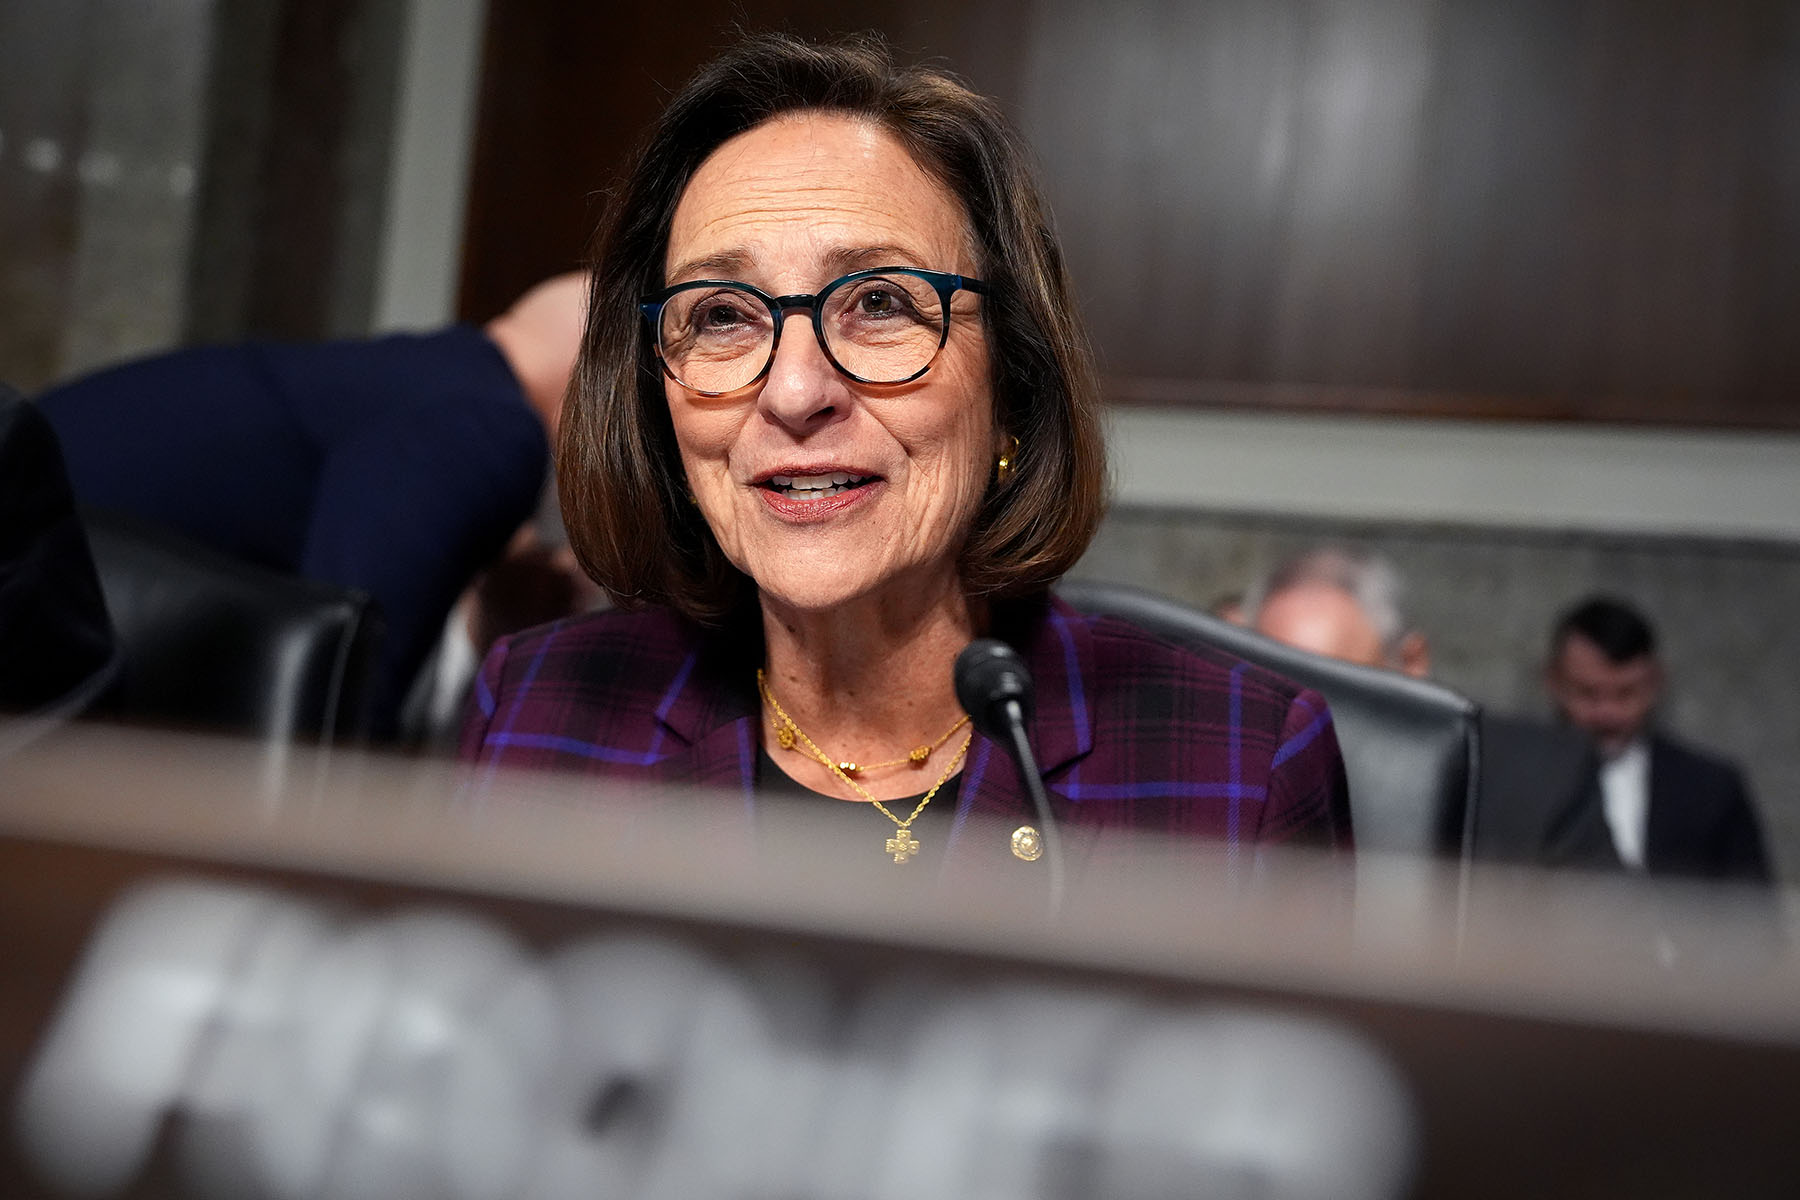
pixel 624 500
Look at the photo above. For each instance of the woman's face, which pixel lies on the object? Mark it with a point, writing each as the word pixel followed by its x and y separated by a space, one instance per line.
pixel 788 207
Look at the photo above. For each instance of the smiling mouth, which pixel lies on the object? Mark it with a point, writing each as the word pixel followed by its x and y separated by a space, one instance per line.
pixel 816 487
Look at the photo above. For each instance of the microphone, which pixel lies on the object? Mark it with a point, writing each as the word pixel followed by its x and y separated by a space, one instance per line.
pixel 991 679
pixel 994 688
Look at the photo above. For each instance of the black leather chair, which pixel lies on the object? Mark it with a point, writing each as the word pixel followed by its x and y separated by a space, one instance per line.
pixel 215 644
pixel 56 645
pixel 1411 748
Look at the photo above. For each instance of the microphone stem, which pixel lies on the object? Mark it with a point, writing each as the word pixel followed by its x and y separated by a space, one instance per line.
pixel 1014 716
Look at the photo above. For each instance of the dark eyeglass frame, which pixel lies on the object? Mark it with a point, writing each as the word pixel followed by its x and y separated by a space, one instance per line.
pixel 943 283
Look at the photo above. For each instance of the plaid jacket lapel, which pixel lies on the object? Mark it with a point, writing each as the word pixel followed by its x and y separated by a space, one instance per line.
pixel 711 712
pixel 1058 650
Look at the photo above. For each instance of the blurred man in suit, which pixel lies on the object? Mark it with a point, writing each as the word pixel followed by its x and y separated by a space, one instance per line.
pixel 1538 783
pixel 1666 809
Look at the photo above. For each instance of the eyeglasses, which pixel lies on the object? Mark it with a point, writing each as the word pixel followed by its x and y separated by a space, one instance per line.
pixel 881 326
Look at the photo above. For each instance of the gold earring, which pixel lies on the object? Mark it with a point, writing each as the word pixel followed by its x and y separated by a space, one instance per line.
pixel 1004 467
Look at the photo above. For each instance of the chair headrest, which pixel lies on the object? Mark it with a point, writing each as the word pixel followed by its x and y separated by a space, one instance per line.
pixel 216 643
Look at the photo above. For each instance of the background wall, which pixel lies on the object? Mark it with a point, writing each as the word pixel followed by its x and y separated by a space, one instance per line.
pixel 1506 207
pixel 101 142
pixel 194 170
pixel 433 138
pixel 1517 208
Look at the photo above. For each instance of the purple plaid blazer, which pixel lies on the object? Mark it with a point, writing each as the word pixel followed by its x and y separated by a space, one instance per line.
pixel 1130 731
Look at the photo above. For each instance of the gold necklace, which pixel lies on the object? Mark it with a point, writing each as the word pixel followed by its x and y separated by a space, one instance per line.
pixel 903 845
pixel 918 756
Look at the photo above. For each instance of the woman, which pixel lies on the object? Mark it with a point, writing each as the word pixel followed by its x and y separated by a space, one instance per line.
pixel 834 417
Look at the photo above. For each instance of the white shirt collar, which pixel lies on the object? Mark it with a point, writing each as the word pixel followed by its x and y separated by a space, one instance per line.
pixel 1625 788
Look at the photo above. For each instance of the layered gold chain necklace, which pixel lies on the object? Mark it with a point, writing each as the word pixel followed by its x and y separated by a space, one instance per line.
pixel 902 845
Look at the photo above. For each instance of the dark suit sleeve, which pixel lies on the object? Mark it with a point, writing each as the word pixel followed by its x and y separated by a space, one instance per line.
pixel 432 460
pixel 1741 855
pixel 1702 821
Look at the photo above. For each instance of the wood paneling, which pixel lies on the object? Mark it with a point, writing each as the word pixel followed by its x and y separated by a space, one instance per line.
pixel 1582 209
pixel 569 87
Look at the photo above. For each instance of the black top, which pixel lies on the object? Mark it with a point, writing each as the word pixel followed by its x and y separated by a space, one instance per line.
pixel 931 828
pixel 56 642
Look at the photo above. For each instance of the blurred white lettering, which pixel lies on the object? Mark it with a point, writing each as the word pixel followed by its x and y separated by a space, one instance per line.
pixel 426 1054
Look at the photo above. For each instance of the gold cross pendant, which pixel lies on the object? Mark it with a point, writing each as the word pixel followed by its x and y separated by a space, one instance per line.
pixel 902 845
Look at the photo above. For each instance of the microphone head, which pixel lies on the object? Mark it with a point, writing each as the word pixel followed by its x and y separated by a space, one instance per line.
pixel 988 674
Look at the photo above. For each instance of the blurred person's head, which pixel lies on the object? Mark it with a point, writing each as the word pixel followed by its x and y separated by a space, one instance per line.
pixel 1345 603
pixel 1604 675
pixel 988 463
pixel 1229 606
pixel 540 336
